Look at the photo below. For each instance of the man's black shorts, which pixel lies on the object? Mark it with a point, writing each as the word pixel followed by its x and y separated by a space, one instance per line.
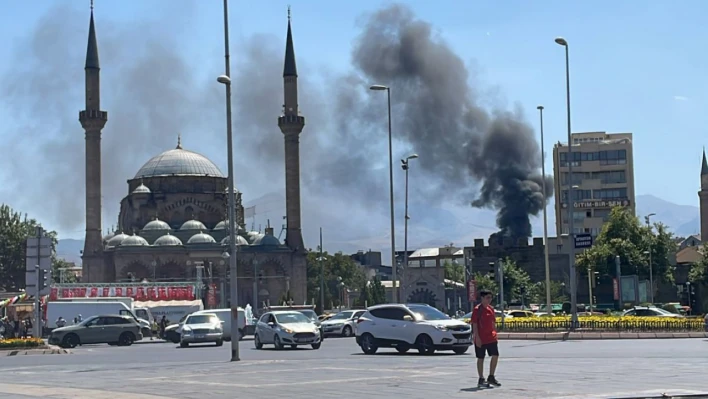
pixel 490 349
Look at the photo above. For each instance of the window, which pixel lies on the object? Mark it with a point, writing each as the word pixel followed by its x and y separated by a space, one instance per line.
pixel 292 318
pixel 613 157
pixel 577 178
pixel 611 177
pixel 611 193
pixel 428 313
pixel 602 213
pixel 579 216
pixel 563 158
pixel 389 313
pixel 578 195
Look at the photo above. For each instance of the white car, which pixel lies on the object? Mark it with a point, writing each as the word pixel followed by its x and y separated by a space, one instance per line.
pixel 201 328
pixel 343 323
pixel 286 327
pixel 411 326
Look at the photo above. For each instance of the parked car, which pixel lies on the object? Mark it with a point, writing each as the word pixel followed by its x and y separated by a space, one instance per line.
pixel 286 327
pixel 343 323
pixel 172 332
pixel 404 327
pixel 202 328
pixel 644 311
pixel 104 329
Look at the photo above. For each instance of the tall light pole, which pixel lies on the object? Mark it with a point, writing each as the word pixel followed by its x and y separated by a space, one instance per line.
pixel 405 165
pixel 571 232
pixel 545 218
pixel 232 254
pixel 396 285
pixel 320 259
pixel 647 219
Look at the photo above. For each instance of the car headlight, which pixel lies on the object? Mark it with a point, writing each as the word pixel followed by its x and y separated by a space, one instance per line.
pixel 287 330
pixel 186 331
pixel 441 328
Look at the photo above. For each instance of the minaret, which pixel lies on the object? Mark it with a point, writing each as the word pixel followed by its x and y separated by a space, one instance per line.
pixel 703 196
pixel 92 120
pixel 291 124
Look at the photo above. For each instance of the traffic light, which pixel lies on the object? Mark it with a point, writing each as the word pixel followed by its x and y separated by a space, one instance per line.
pixel 492 270
pixel 43 281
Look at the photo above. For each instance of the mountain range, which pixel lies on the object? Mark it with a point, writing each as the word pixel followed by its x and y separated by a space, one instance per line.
pixel 428 226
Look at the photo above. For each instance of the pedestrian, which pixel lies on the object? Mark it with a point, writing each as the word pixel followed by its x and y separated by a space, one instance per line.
pixel 483 322
pixel 163 325
pixel 60 322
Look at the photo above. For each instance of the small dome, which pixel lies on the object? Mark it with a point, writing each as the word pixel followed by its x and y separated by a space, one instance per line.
pixel 193 225
pixel 117 240
pixel 156 224
pixel 141 189
pixel 223 225
pixel 107 237
pixel 201 238
pixel 266 240
pixel 134 241
pixel 167 240
pixel 239 241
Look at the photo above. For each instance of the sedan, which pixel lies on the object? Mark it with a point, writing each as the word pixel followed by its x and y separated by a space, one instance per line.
pixel 201 328
pixel 282 328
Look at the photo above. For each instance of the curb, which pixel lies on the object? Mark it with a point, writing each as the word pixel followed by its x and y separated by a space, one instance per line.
pixel 47 351
pixel 574 336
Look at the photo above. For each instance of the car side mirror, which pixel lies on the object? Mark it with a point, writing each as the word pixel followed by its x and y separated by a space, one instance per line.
pixel 271 324
pixel 407 318
pixel 222 322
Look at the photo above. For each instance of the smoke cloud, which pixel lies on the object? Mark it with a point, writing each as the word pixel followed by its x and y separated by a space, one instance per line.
pixel 468 154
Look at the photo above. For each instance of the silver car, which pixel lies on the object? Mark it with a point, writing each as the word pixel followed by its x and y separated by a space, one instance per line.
pixel 201 328
pixel 286 327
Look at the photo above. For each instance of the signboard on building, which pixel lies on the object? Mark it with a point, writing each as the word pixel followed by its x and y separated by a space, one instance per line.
pixel 583 241
pixel 616 289
pixel 601 204
pixel 471 290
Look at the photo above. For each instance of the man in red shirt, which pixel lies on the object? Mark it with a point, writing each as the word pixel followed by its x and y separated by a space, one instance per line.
pixel 484 328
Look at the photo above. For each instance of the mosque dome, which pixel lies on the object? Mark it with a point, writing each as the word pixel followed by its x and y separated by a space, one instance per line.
pixel 156 224
pixel 117 239
pixel 167 240
pixel 141 189
pixel 252 235
pixel 201 238
pixel 266 240
pixel 179 162
pixel 239 241
pixel 223 225
pixel 192 225
pixel 134 241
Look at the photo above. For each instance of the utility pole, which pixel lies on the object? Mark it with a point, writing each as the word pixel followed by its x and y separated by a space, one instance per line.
pixel 500 269
pixel 321 259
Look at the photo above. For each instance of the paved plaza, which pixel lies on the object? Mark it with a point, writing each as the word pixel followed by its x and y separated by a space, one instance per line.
pixel 528 369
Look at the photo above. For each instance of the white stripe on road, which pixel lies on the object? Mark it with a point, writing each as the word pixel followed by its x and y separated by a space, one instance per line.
pixel 70 393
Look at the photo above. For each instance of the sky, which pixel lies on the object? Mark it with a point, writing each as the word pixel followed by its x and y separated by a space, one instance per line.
pixel 633 67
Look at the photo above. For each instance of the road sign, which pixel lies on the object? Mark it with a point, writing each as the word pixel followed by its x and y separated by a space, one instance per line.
pixel 583 241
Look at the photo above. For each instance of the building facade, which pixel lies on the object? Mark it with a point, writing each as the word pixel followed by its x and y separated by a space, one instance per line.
pixel 603 178
pixel 172 226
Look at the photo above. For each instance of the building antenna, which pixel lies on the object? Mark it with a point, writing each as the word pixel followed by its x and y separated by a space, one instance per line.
pixel 92 6
pixel 288 10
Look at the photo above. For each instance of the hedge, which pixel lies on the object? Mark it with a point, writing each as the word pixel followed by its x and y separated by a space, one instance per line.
pixel 601 323
pixel 21 343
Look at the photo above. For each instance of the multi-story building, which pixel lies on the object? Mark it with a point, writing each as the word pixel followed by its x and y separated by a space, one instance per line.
pixel 603 178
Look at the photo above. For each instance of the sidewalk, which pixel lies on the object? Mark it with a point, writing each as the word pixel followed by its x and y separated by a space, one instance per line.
pixel 50 350
pixel 580 335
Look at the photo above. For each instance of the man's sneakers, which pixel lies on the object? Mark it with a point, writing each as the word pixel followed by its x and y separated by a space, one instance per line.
pixel 482 383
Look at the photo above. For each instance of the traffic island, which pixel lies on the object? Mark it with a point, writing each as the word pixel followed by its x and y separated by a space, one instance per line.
pixel 582 335
pixel 28 346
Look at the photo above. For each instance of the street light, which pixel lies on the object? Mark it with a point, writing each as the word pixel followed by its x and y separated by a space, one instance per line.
pixel 232 255
pixel 545 218
pixel 571 231
pixel 390 172
pixel 405 165
pixel 647 219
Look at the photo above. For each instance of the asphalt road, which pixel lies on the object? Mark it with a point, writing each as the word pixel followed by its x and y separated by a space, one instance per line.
pixel 527 369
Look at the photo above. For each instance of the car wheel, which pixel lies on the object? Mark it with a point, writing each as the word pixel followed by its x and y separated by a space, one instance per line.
pixel 317 345
pixel 460 351
pixel 257 342
pixel 113 343
pixel 183 344
pixel 70 341
pixel 277 344
pixel 425 344
pixel 368 344
pixel 126 339
pixel 402 348
pixel 220 342
pixel 347 331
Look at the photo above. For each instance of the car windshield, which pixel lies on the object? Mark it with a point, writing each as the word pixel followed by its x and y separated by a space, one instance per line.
pixel 202 319
pixel 90 320
pixel 342 316
pixel 663 311
pixel 310 314
pixel 290 318
pixel 428 313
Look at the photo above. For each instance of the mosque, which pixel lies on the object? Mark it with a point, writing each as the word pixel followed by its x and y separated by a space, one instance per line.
pixel 172 226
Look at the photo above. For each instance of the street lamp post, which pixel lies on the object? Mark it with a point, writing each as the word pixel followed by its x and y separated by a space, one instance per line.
pixel 320 259
pixel 545 218
pixel 405 164
pixel 571 231
pixel 647 219
pixel 232 254
pixel 396 285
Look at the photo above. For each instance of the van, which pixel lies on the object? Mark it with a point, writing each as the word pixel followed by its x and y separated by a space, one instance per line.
pixel 70 310
pixel 225 316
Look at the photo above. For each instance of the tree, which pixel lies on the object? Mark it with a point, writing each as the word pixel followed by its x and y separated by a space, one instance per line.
pixel 377 291
pixel 340 272
pixel 59 265
pixel 484 281
pixel 15 228
pixel 698 274
pixel 518 286
pixel 557 292
pixel 625 236
pixel 454 272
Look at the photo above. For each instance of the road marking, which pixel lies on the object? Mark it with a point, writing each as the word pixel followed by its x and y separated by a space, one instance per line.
pixel 71 393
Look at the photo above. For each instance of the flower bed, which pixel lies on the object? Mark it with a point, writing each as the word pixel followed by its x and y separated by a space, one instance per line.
pixel 601 323
pixel 21 343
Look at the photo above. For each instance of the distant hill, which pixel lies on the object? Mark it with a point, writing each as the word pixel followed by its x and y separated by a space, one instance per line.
pixel 429 226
